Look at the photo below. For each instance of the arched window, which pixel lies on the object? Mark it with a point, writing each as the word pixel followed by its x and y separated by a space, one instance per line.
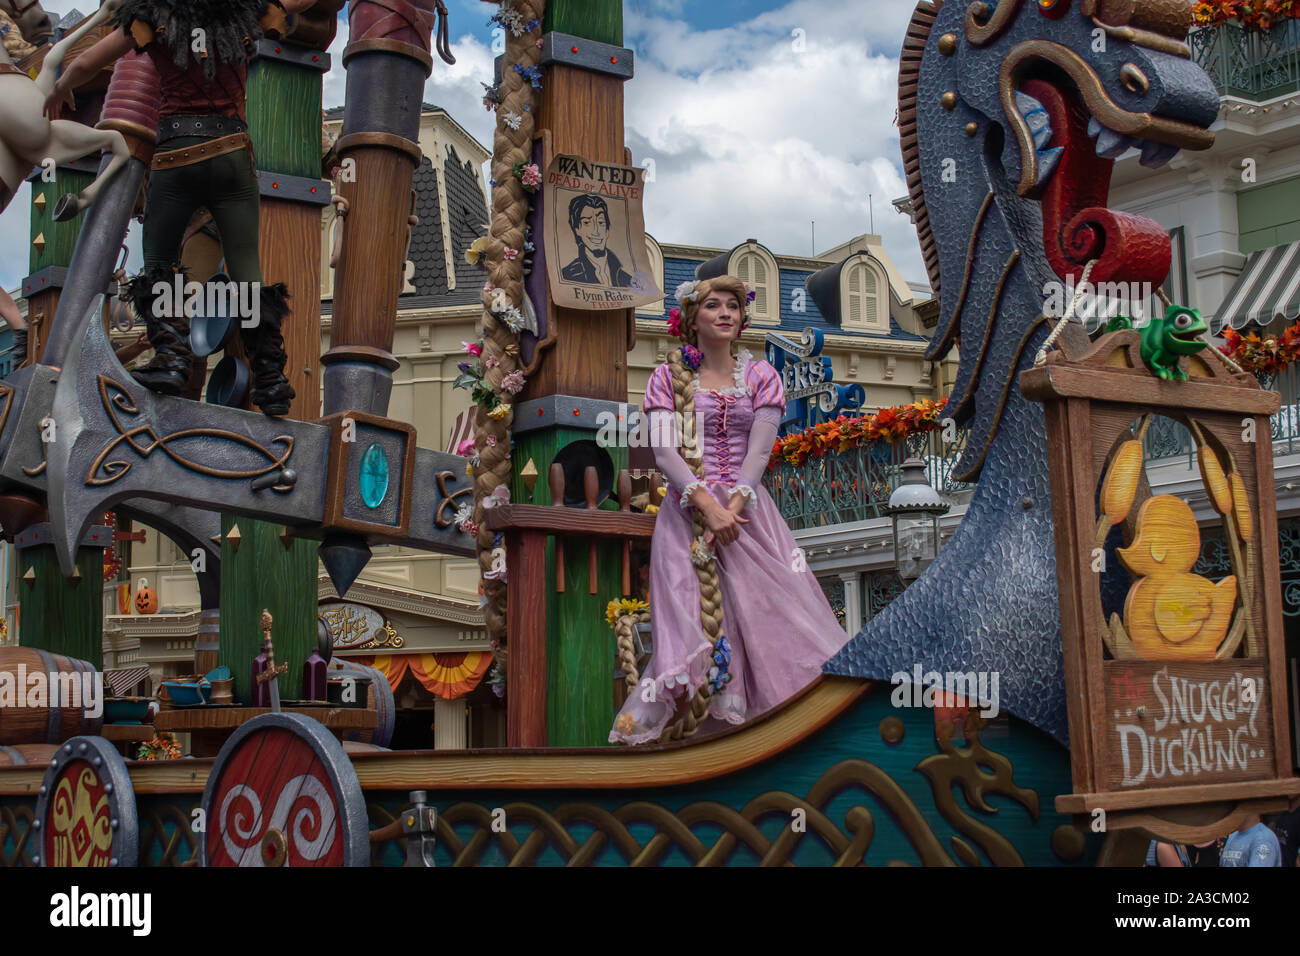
pixel 755 266
pixel 656 258
pixel 865 291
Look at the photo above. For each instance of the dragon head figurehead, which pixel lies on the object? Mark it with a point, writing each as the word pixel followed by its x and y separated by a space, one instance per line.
pixel 1011 113
pixel 1024 105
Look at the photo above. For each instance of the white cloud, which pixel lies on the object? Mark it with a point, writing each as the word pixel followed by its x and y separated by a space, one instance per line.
pixel 750 136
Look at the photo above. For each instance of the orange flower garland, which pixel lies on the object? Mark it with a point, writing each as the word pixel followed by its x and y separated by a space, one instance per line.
pixel 1251 14
pixel 1267 354
pixel 853 431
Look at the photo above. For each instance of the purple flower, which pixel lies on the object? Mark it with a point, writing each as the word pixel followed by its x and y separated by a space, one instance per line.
pixel 691 357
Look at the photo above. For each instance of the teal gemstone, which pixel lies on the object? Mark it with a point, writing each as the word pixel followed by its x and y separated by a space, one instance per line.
pixel 374 476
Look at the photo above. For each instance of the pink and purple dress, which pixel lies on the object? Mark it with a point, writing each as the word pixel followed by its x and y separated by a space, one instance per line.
pixel 778 626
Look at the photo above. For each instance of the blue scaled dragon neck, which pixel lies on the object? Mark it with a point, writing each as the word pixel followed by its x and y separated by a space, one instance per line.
pixel 1010 115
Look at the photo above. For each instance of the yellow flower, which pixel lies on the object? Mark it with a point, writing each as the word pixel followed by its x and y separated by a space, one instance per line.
pixel 477 250
pixel 620 606
pixel 501 411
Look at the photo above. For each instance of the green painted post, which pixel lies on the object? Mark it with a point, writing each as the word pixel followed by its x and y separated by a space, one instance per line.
pixel 284 119
pixel 263 574
pixel 57 615
pixel 580 645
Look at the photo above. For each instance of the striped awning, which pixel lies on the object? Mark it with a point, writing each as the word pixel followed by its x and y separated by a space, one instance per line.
pixel 461 430
pixel 1267 289
pixel 125 679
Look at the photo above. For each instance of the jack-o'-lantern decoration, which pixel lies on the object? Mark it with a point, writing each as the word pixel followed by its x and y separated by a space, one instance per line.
pixel 146 598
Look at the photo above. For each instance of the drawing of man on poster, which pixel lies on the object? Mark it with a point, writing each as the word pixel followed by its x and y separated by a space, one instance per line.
pixel 594 263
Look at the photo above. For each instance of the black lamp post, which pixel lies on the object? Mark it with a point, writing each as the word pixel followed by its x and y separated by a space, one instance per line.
pixel 915 508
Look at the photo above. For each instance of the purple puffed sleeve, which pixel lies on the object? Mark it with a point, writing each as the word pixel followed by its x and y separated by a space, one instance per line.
pixel 765 383
pixel 659 390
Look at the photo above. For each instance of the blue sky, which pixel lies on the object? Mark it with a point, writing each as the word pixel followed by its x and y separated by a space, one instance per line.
pixel 760 116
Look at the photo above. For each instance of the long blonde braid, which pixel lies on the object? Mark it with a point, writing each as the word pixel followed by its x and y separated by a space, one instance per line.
pixel 509 212
pixel 692 451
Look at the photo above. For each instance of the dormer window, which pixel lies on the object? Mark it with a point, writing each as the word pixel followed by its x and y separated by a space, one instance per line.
pixel 864 296
pixel 753 264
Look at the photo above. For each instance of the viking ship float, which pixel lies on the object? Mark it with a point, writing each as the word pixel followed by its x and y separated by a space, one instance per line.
pixel 1011 96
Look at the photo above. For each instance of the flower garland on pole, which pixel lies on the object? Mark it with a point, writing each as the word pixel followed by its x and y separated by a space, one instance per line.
pixel 1263 355
pixel 855 431
pixel 494 375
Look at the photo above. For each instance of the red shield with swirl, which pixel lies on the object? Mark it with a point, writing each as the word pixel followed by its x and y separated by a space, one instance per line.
pixel 274 805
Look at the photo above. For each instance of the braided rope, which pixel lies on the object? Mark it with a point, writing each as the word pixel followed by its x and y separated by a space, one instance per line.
pixel 1055 334
pixel 509 211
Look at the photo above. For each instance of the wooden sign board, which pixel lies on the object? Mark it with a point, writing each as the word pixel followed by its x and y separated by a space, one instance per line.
pixel 1174 723
pixel 1171 678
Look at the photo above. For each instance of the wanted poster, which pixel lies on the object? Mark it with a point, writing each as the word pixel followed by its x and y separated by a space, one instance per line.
pixel 595 236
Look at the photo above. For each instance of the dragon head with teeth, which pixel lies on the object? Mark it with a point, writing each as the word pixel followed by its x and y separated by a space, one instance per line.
pixel 1011 114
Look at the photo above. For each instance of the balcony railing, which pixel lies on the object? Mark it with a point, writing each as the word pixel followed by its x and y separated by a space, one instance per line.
pixel 1252 64
pixel 1167 439
pixel 856 485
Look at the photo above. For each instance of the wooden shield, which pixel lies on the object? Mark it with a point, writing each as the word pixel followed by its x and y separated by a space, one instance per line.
pixel 283 793
pixel 85 811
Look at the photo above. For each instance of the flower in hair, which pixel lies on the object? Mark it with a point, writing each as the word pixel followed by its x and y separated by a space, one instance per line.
pixel 701 556
pixel 675 322
pixel 691 357
pixel 687 291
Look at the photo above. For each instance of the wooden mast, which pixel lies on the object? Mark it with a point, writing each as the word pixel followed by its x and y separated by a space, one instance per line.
pixel 560 691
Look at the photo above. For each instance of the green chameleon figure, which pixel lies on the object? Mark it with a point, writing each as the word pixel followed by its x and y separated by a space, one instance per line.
pixel 1166 340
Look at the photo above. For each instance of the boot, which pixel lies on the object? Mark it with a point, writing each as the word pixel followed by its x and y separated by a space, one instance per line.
pixel 169 368
pixel 264 346
pixel 19 348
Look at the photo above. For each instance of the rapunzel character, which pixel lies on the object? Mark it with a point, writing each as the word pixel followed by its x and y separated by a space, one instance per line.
pixel 739 622
pixel 204 158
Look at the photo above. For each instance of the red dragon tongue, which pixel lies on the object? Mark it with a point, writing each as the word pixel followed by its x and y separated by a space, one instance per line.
pixel 1077 226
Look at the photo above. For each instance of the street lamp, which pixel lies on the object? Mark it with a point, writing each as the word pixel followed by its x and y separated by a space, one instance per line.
pixel 915 508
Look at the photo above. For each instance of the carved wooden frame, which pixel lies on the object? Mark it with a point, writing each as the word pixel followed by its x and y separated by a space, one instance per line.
pixel 1090 403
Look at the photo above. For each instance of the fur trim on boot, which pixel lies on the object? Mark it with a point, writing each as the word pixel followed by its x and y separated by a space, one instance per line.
pixel 19 348
pixel 169 368
pixel 264 345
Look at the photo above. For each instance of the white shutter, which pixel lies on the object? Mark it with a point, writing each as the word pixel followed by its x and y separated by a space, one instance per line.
pixel 742 268
pixel 759 285
pixel 854 315
pixel 870 296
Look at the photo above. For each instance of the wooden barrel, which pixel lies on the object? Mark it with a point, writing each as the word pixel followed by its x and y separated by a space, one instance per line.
pixel 27 755
pixel 52 720
pixel 379 700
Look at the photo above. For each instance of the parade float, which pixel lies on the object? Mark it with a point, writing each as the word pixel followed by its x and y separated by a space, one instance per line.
pixel 1066 578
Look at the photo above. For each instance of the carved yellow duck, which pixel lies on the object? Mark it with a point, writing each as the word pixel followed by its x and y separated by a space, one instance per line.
pixel 1171 614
